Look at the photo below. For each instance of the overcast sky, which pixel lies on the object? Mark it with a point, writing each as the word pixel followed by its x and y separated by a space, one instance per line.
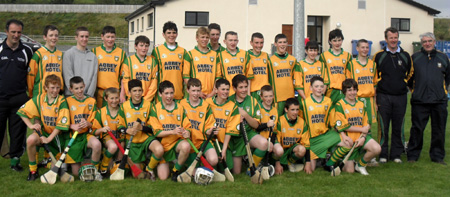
pixel 441 5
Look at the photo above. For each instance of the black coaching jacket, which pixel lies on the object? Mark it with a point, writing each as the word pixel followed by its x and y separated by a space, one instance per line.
pixel 431 77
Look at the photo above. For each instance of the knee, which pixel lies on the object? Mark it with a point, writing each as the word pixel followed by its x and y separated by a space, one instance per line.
pixel 376 149
pixel 185 147
pixel 112 148
pixel 301 150
pixel 96 145
pixel 32 141
pixel 158 151
pixel 264 144
pixel 278 151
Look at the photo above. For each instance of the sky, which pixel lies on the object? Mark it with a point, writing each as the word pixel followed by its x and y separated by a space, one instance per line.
pixel 441 5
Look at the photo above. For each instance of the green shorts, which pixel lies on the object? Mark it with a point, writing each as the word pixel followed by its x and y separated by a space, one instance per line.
pixel 287 154
pixel 358 152
pixel 237 146
pixel 192 156
pixel 321 144
pixel 139 151
pixel 251 134
pixel 78 148
pixel 57 145
pixel 172 153
pixel 369 105
pixel 256 95
pixel 335 95
pixel 229 159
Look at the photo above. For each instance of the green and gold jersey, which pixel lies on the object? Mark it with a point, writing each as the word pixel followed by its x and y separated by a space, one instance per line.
pixel 307 72
pixel 251 106
pixel 227 116
pixel 232 65
pixel 162 119
pixel 172 67
pixel 347 115
pixel 336 67
pixel 203 66
pixel 260 65
pixel 290 134
pixel 43 63
pixel 281 76
pixel 109 66
pixel 364 75
pixel 52 115
pixel 104 118
pixel 316 114
pixel 201 118
pixel 132 113
pixel 265 117
pixel 80 109
pixel 145 70
pixel 221 48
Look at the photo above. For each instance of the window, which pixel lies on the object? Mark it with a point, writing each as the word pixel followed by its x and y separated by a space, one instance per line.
pixel 253 2
pixel 132 27
pixel 402 24
pixel 142 19
pixel 197 18
pixel 150 20
pixel 362 4
pixel 137 26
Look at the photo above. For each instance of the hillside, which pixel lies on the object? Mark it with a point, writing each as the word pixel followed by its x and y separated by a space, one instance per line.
pixel 442 28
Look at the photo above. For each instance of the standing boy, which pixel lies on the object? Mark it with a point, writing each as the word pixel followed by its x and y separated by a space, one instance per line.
pixel 214 35
pixel 259 61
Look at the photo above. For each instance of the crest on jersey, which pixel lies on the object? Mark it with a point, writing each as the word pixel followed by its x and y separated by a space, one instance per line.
pixel 265 61
pixel 73 108
pixel 357 71
pixel 311 108
pixel 247 108
pixel 258 112
pixel 116 58
pixel 201 114
pixel 346 111
pixel 238 127
pixel 227 112
pixel 135 66
pixel 299 131
pixel 180 56
pixel 105 123
pixel 22 106
pixel 211 58
pixel 145 114
pixel 275 64
pixel 371 70
pixel 128 115
pixel 161 117
pixel 319 68
pixel 338 123
pixel 242 60
pixel 283 130
pixel 291 62
pixel 59 58
pixel 329 61
pixel 326 107
pixel 29 69
pixel 64 120
pixel 163 56
pixel 226 60
pixel 100 57
pixel 45 57
pixel 439 65
pixel 343 61
pixel 196 59
pixel 90 107
pixel 149 66
pixel 178 117
pixel 361 110
pixel 56 110
pixel 400 62
pixel 305 69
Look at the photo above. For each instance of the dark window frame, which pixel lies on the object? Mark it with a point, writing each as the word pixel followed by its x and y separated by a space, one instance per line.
pixel 400 22
pixel 196 23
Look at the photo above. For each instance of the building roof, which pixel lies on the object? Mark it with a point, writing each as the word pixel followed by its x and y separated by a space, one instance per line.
pixel 144 8
pixel 423 7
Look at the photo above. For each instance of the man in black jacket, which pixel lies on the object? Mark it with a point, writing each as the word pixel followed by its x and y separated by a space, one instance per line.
pixel 393 68
pixel 429 98
pixel 14 58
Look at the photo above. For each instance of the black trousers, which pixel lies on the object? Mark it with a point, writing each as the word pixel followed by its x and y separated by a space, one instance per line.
pixel 420 113
pixel 392 109
pixel 17 128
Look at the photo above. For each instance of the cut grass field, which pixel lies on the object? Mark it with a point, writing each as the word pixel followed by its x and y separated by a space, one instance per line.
pixel 422 178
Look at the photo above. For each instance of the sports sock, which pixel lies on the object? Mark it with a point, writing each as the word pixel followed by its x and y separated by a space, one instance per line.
pixel 14 161
pixel 153 162
pixel 177 167
pixel 33 166
pixel 95 163
pixel 258 155
pixel 293 158
pixel 339 153
pixel 105 161
pixel 362 162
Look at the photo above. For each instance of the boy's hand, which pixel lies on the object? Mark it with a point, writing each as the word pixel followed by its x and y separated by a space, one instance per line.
pixel 106 129
pixel 278 168
pixel 75 127
pixel 83 123
pixel 270 123
pixel 36 127
pixel 186 134
pixel 308 169
pixel 347 141
pixel 44 140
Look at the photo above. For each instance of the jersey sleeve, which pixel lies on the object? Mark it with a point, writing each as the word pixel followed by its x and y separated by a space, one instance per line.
pixel 326 77
pixel 257 112
pixel 340 120
pixel 298 77
pixel 31 77
pixel 248 66
pixel 349 70
pixel 218 68
pixel 92 112
pixel 209 120
pixel 186 65
pixel 62 122
pixel 219 65
pixel 301 109
pixel 305 136
pixel 233 122
pixel 29 110
pixel 375 76
pixel 126 75
pixel 97 122
pixel 152 89
pixel 185 123
pixel 154 122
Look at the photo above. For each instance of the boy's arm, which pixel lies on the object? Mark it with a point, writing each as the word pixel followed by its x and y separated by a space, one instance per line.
pixel 31 77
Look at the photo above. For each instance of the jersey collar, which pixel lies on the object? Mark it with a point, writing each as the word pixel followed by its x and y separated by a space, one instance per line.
pixel 289 122
pixel 363 65
pixel 251 53
pixel 237 51
pixel 287 55
pixel 196 48
pixel 141 61
pixel 104 48
pixel 46 100
pixel 331 51
pixel 315 99
pixel 304 60
pixel 85 97
pixel 109 113
pixel 49 49
pixel 176 46
pixel 170 111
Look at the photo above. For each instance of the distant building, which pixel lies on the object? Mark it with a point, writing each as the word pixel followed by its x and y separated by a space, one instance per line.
pixel 356 18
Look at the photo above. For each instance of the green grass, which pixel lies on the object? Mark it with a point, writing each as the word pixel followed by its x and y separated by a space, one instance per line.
pixel 422 178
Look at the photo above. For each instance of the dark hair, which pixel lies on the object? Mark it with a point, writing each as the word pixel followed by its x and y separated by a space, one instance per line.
pixel 52 79
pixel 291 101
pixel 143 39
pixel 280 36
pixel 361 41
pixel 312 45
pixel 169 25
pixel 49 28
pixel 193 82
pixel 316 78
pixel 266 88
pixel 13 21
pixel 230 33
pixel 392 30
pixel 108 29
pixel 221 81
pixel 75 80
pixel 336 33
pixel 111 90
pixel 134 83
pixel 164 85
pixel 82 28
pixel 239 79
pixel 257 35
pixel 214 26
pixel 347 84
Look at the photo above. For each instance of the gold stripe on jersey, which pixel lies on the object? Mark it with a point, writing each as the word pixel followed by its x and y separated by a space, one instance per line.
pixel 227 116
pixel 104 118
pixel 201 118
pixel 43 63
pixel 172 67
pixel 281 76
pixel 80 109
pixel 290 134
pixel 203 66
pixel 336 67
pixel 307 72
pixel 232 65
pixel 109 66
pixel 132 113
pixel 347 115
pixel 162 119
pixel 145 71
pixel 316 114
pixel 259 65
pixel 265 117
pixel 52 115
pixel 364 75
